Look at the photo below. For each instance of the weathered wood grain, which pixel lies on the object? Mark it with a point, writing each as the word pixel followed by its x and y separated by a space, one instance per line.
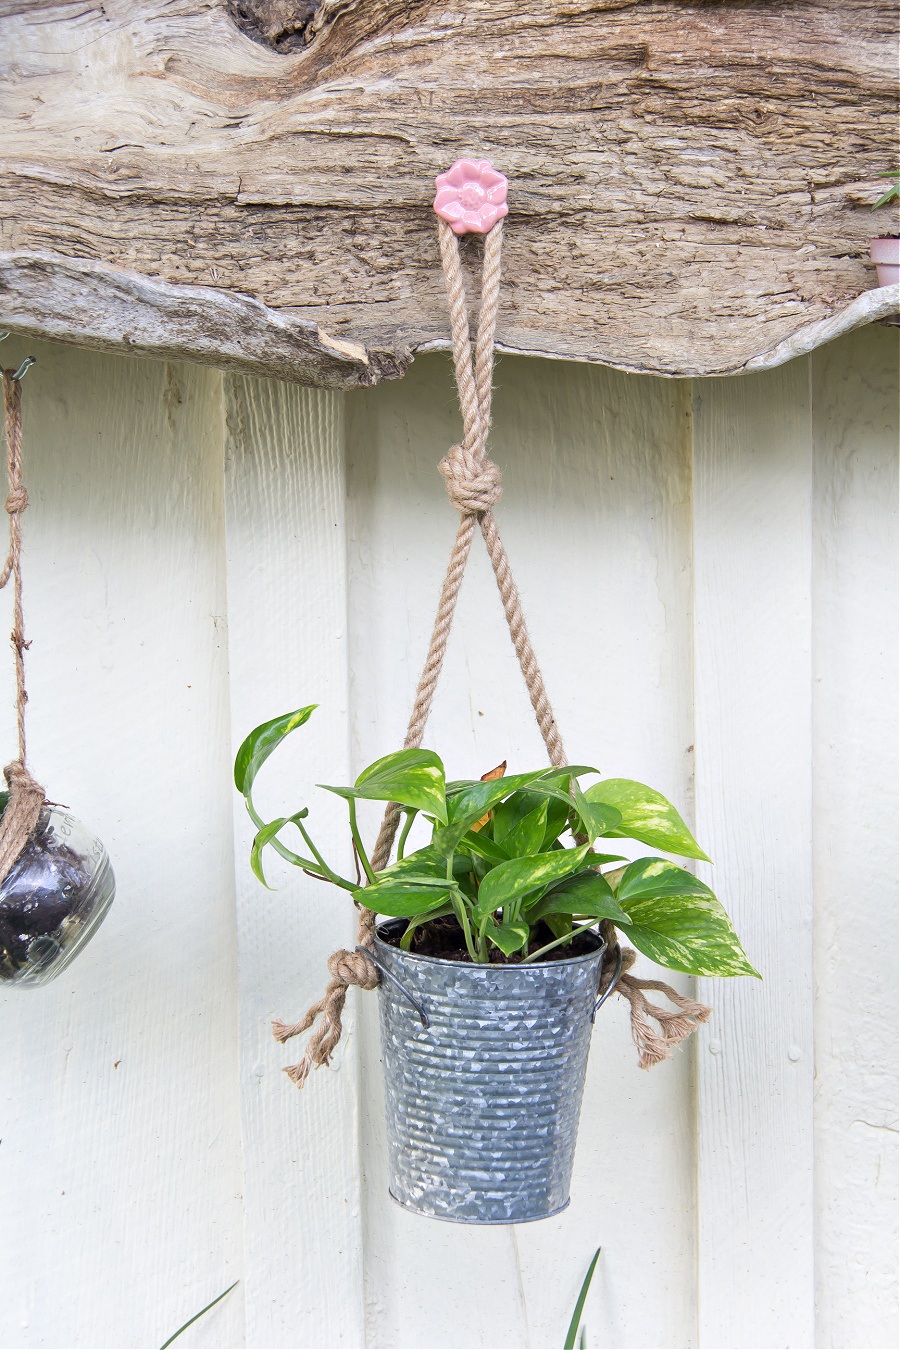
pixel 690 181
pixel 47 295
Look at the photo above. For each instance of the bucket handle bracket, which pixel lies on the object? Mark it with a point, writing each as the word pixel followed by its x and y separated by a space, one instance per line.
pixel 615 980
pixel 376 961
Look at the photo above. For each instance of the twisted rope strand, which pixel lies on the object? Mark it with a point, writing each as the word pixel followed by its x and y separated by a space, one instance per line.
pixel 26 797
pixel 518 631
pixel 487 326
pixel 16 503
pixel 428 682
pixel 459 328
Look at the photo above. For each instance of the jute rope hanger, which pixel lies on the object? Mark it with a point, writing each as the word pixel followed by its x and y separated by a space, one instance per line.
pixel 473 486
pixel 26 797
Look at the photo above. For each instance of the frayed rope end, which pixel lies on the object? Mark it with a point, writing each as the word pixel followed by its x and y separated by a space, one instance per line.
pixel 674 1027
pixel 283 1031
pixel 298 1073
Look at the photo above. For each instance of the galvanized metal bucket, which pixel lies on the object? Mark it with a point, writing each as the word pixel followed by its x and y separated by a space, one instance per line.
pixel 483 1075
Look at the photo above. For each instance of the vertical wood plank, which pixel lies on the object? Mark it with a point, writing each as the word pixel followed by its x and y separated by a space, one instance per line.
pixel 287 643
pixel 596 518
pixel 120 1156
pixel 752 623
pixel 855 834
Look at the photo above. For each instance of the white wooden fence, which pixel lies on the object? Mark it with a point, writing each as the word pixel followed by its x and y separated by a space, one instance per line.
pixel 708 570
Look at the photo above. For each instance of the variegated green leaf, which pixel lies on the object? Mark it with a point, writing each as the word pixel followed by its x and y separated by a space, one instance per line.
pixel 258 746
pixel 691 933
pixel 425 861
pixel 521 875
pixel 509 937
pixel 651 877
pixel 476 800
pixel 586 893
pixel 410 777
pixel 475 841
pixel 405 898
pixel 526 837
pixel 646 816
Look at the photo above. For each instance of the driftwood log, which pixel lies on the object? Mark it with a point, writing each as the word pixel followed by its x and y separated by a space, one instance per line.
pixel 248 182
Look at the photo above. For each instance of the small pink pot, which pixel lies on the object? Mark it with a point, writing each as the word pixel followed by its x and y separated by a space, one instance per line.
pixel 885 254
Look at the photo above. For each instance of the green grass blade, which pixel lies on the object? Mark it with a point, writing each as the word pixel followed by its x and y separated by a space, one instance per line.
pixel 198 1315
pixel 579 1306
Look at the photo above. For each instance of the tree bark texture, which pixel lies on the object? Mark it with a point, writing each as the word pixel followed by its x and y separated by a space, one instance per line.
pixel 249 182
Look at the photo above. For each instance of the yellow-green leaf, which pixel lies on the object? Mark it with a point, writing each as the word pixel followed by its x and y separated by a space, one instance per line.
pixel 646 816
pixel 258 746
pixel 691 933
pixel 410 777
pixel 649 878
pixel 404 898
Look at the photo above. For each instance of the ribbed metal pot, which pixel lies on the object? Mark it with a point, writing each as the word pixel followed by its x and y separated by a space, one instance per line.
pixel 482 1103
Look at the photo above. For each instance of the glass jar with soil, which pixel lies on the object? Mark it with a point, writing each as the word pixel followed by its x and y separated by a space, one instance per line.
pixel 53 899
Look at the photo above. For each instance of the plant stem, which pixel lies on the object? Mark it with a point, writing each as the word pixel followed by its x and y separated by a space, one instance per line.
pixel 305 863
pixel 404 835
pixel 567 937
pixel 275 843
pixel 420 919
pixel 354 830
pixel 326 870
pixel 459 910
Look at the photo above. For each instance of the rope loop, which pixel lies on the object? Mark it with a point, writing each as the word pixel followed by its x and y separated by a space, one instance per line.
pixel 472 487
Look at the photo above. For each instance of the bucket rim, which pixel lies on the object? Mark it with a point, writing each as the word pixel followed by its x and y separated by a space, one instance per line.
pixel 475 966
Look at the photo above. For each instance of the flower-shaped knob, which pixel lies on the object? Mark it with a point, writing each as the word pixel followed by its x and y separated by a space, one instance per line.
pixel 471 196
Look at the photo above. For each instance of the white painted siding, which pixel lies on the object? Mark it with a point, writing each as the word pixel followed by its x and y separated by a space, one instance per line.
pixel 709 564
pixel 120 1155
pixel 752 577
pixel 854 384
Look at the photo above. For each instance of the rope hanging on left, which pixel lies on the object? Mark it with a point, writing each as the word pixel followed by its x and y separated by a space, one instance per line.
pixel 56 882
pixel 26 797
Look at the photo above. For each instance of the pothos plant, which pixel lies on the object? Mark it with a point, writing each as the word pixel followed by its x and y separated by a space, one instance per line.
pixel 512 857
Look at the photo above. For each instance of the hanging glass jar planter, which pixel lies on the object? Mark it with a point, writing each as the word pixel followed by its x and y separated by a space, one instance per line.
pixel 53 899
pixel 56 883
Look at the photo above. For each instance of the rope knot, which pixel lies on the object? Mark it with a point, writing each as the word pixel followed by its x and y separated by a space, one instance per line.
pixel 17 500
pixel 26 797
pixel 473 486
pixel 18 779
pixel 353 968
